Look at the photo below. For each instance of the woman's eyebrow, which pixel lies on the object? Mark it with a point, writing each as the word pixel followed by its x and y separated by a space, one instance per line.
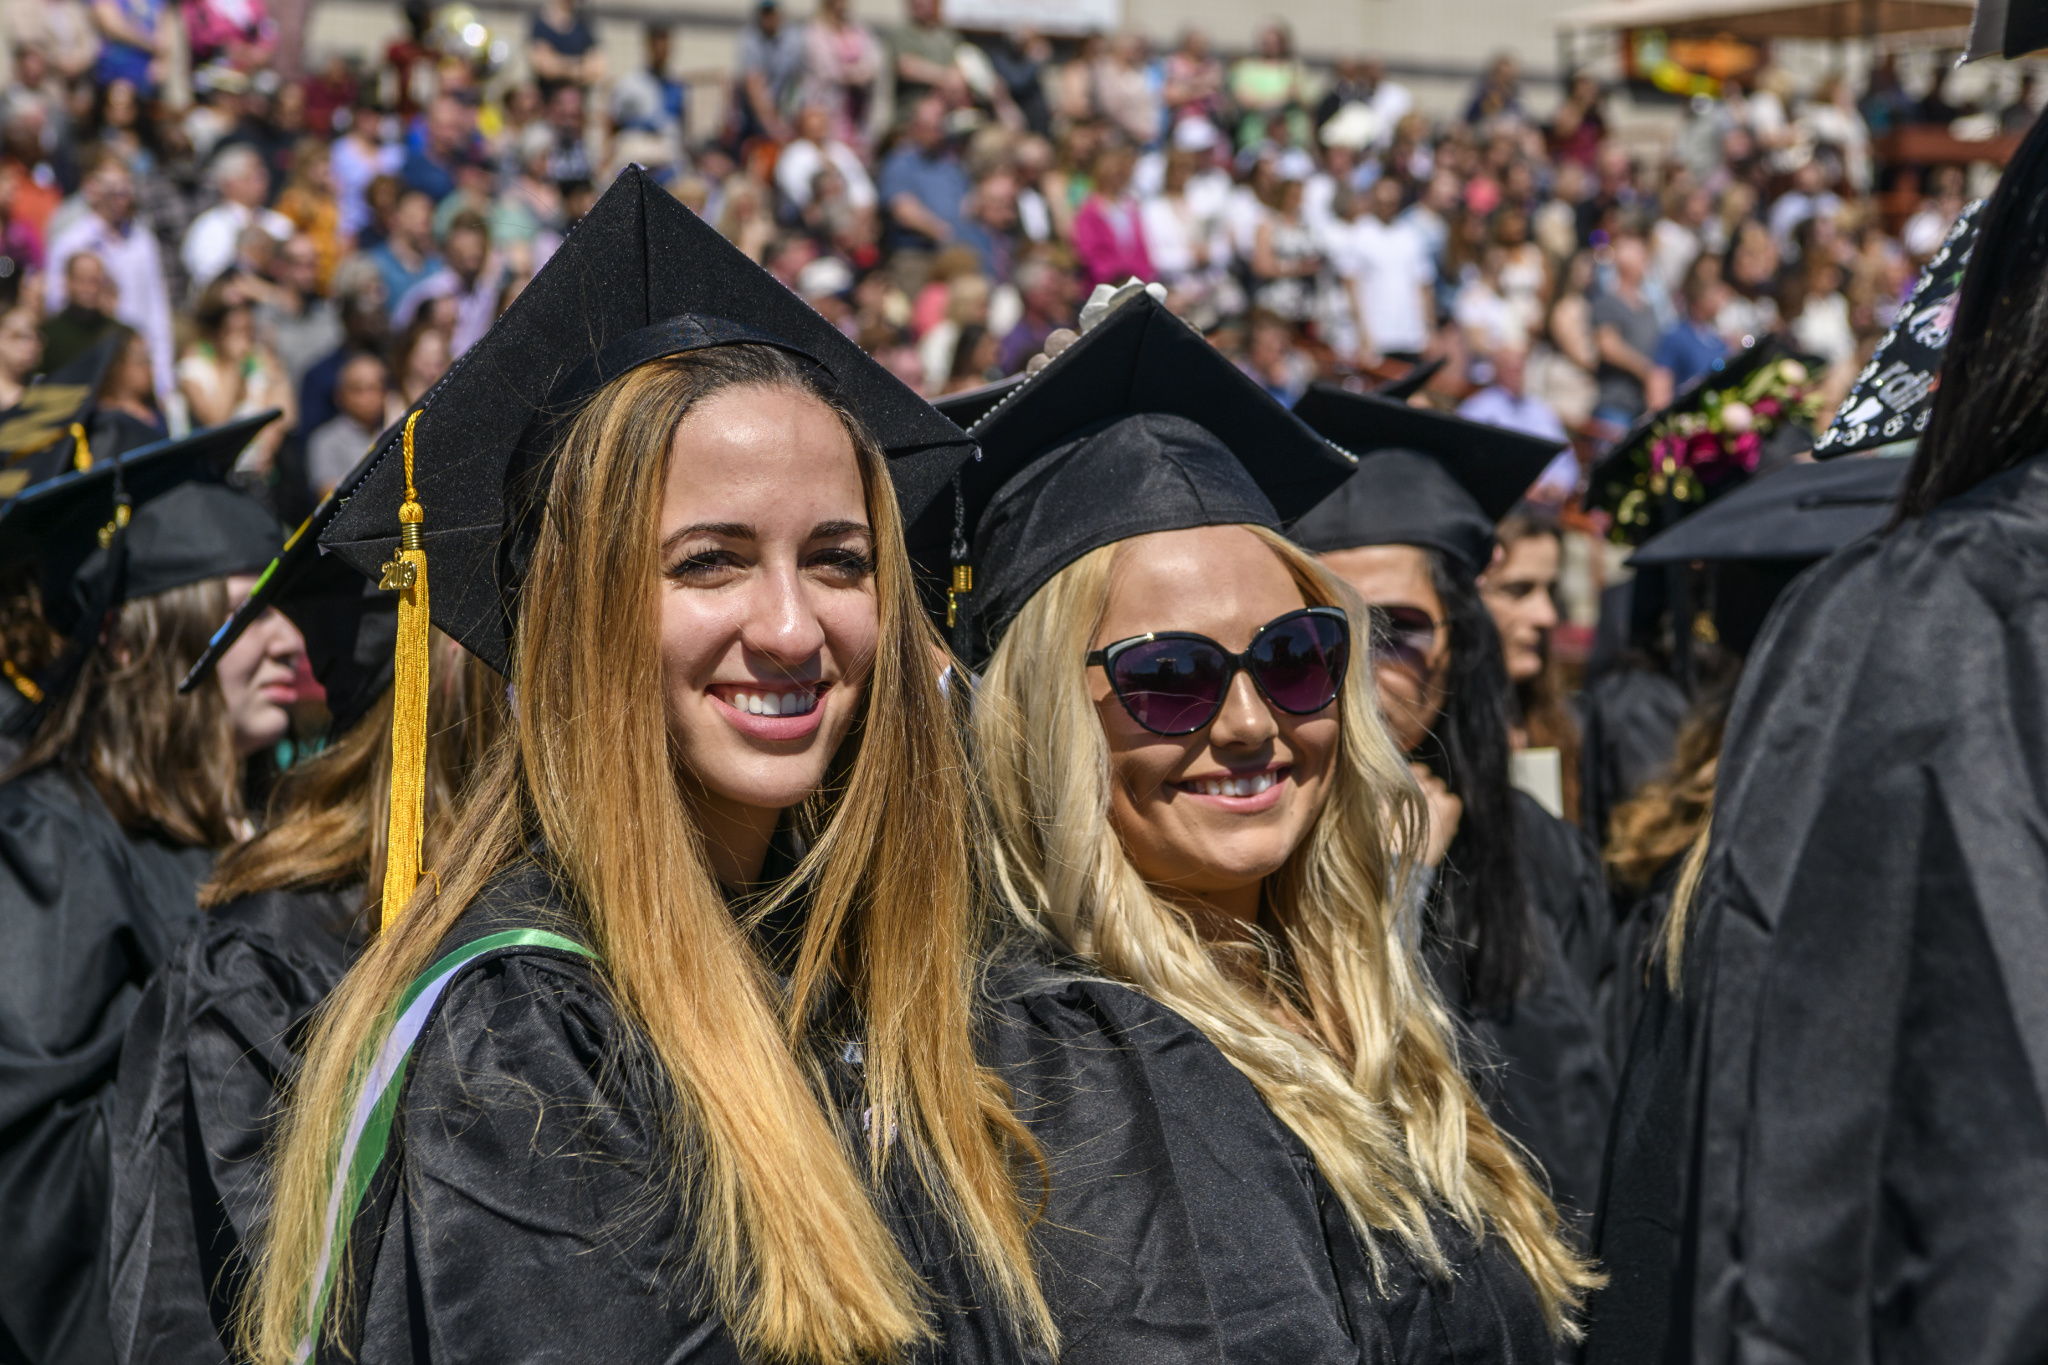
pixel 829 530
pixel 725 530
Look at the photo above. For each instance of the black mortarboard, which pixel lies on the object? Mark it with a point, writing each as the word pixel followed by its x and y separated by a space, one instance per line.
pixel 1893 397
pixel 639 278
pixel 1410 384
pixel 91 552
pixel 1139 426
pixel 1622 483
pixel 1802 512
pixel 2008 29
pixel 349 624
pixel 970 406
pixel 39 436
pixel 1398 497
pixel 1492 464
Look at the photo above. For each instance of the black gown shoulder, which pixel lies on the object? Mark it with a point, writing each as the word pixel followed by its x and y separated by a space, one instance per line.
pixel 1184 1222
pixel 215 1039
pixel 1629 720
pixel 1859 1167
pixel 88 912
pixel 527 1208
pixel 1561 870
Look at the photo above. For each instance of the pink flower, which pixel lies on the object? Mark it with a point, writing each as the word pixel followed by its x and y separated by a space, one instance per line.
pixel 1749 447
pixel 1703 449
pixel 1769 409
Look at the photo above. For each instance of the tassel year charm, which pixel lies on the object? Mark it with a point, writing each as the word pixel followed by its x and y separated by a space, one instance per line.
pixel 406 574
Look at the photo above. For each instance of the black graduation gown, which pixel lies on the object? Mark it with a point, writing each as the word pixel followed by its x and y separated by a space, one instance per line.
pixel 1541 1066
pixel 522 1211
pixel 1628 723
pixel 217 1035
pixel 87 912
pixel 1857 1168
pixel 1186 1223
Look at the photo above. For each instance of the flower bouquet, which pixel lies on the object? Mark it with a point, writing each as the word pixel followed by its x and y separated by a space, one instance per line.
pixel 1708 441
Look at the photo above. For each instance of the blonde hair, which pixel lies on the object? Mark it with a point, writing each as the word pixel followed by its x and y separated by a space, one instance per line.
pixel 326 818
pixel 800 1264
pixel 1337 1026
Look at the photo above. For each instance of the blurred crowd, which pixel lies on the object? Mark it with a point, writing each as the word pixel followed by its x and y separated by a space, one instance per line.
pixel 329 245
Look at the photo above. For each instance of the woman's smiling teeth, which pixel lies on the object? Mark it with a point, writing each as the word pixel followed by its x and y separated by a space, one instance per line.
pixel 773 703
pixel 1232 786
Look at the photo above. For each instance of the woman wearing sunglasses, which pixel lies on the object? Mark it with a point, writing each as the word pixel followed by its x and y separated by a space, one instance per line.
pixel 1189 788
pixel 1517 926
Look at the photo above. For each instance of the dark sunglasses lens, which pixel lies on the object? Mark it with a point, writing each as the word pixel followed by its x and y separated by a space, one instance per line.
pixel 1300 662
pixel 1402 635
pixel 1170 687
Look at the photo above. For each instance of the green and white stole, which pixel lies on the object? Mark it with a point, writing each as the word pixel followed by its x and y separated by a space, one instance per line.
pixel 367 1136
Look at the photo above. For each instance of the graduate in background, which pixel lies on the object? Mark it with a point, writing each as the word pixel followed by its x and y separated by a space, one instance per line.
pixel 1850 1148
pixel 108 823
pixel 1517 925
pixel 216 1036
pixel 1230 845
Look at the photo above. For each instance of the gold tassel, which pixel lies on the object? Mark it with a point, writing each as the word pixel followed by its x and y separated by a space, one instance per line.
pixel 963 582
pixel 406 575
pixel 81 457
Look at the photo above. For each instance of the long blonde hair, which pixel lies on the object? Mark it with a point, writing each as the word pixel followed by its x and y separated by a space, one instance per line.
pixel 325 822
pixel 1339 1029
pixel 800 1264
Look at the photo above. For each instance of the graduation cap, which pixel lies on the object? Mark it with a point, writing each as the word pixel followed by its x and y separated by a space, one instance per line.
pixel 1893 397
pixel 45 434
pixel 966 408
pixel 350 625
pixel 142 524
pixel 1644 499
pixel 1410 384
pixel 1801 512
pixel 640 278
pixel 1424 477
pixel 1139 426
pixel 2008 29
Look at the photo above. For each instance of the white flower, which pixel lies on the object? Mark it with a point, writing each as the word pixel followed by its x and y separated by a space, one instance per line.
pixel 1736 417
pixel 1792 371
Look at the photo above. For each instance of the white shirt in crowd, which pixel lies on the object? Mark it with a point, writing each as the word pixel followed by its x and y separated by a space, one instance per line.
pixel 798 164
pixel 214 239
pixel 1173 229
pixel 1388 265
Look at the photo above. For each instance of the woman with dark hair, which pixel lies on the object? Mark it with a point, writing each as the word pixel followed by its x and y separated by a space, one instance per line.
pixel 108 823
pixel 1519 590
pixel 1842 1149
pixel 1517 921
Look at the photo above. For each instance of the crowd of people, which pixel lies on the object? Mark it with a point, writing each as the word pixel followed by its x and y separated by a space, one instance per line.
pixel 933 728
pixel 947 203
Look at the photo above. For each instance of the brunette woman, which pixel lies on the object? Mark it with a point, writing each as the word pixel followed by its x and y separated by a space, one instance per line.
pixel 1223 830
pixel 1520 591
pixel 108 823
pixel 1518 926
pixel 217 1033
pixel 694 1077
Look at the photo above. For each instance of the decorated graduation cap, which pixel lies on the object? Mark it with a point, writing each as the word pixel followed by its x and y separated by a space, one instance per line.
pixel 1750 412
pixel 1139 426
pixel 1801 512
pixel 47 433
pixel 640 278
pixel 350 626
pixel 1424 477
pixel 1893 397
pixel 142 524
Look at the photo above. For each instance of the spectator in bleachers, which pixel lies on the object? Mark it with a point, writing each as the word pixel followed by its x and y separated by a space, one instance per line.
pixel 214 239
pixel 843 66
pixel 129 253
pixel 407 255
pixel 361 391
pixel 77 327
pixel 923 185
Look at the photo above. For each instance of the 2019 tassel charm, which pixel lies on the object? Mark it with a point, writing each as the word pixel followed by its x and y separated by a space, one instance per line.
pixel 406 574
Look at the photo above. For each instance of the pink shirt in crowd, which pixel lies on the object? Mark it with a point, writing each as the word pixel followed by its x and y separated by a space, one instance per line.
pixel 1110 242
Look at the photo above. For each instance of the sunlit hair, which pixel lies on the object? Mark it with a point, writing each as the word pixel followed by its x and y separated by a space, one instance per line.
pixel 1332 1017
pixel 1667 814
pixel 164 764
pixel 800 1264
pixel 326 818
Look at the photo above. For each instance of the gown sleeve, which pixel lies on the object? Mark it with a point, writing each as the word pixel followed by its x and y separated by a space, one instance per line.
pixel 86 916
pixel 529 1215
pixel 1183 1221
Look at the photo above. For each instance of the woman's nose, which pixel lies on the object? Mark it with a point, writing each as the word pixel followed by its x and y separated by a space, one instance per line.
pixel 1244 721
pixel 781 622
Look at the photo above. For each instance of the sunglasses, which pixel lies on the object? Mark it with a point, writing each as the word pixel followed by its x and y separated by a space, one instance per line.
pixel 1174 683
pixel 1403 635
